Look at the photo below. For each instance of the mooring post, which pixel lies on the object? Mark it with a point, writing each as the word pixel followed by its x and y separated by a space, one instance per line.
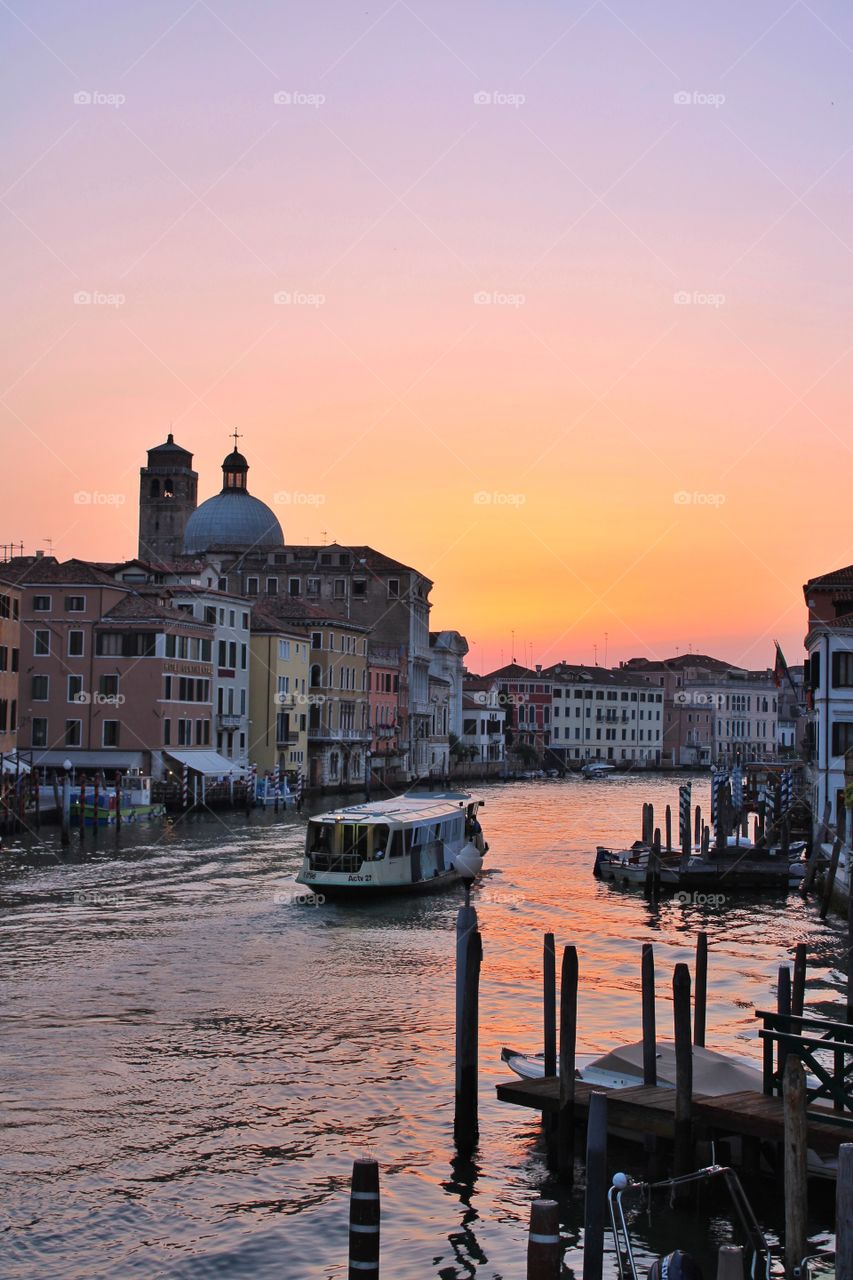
pixel 543 1241
pixel 118 799
pixel 568 1039
pixel 829 882
pixel 683 1077
pixel 652 885
pixel 549 1017
pixel 700 994
pixel 647 970
pixel 730 1262
pixel 796 1160
pixel 65 816
pixel 469 954
pixel 364 1220
pixel 596 1187
pixel 697 827
pixel 706 842
pixel 667 822
pixel 844 1213
pixel 798 987
pixel 783 1007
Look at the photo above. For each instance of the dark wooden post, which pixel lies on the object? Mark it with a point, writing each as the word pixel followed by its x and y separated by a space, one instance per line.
pixel 596 1187
pixel 549 1018
pixel 697 827
pixel 796 1158
pixel 683 1077
pixel 36 783
pixel 96 800
pixel 844 1213
pixel 469 954
pixel 667 822
pixel 783 1007
pixel 700 995
pixel 829 882
pixel 568 1039
pixel 65 809
pixel 543 1241
pixel 118 800
pixel 549 1004
pixel 364 1220
pixel 650 1066
pixel 798 989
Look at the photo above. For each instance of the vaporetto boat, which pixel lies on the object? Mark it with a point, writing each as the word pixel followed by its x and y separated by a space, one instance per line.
pixel 418 842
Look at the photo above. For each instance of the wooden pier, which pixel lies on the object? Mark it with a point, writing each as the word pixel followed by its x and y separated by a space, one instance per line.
pixel 642 1109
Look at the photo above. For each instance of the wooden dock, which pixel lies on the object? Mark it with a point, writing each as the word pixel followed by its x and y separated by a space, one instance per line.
pixel 643 1109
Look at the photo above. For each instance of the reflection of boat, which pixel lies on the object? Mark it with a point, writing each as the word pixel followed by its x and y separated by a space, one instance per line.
pixel 597 769
pixel 409 843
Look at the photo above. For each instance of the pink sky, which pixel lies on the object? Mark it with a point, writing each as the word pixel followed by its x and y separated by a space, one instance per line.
pixel 582 201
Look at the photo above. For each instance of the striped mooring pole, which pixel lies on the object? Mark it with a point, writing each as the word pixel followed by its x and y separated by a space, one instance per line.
pixel 684 802
pixel 364 1220
pixel 185 786
pixel 543 1241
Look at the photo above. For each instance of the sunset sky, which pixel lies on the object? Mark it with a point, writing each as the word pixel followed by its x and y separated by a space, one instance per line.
pixel 569 323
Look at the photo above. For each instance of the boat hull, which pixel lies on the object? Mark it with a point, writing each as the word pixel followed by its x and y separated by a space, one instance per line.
pixel 361 888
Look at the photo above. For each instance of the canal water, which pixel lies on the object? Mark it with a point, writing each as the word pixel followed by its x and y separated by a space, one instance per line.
pixel 191 1057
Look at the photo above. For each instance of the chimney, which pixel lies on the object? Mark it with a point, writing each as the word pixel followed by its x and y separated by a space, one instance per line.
pixel 39 555
pixel 538 668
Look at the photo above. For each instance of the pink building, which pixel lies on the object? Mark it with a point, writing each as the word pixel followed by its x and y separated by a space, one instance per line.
pixel 387 693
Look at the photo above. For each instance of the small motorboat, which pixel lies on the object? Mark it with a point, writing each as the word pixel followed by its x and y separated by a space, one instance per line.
pixel 597 769
pixel 713 1073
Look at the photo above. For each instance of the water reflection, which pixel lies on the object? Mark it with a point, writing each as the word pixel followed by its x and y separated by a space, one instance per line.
pixel 191 1058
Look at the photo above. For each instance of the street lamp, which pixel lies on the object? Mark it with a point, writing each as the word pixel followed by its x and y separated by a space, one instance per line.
pixel 469 864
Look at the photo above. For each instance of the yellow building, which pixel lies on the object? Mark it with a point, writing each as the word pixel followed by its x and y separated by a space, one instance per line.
pixel 278 695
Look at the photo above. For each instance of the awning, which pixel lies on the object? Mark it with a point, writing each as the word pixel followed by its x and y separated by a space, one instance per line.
pixel 14 764
pixel 109 761
pixel 210 763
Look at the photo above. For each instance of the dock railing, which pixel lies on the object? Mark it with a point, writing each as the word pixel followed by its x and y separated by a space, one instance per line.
pixel 825 1049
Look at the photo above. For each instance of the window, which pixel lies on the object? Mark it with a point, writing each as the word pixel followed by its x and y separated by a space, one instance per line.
pixel 252 586
pixel 167 732
pixel 110 733
pixel 312 586
pixel 842 670
pixel 39 731
pixel 40 688
pixel 222 584
pixel 294 586
pixel 272 586
pixel 842 737
pixel 73 732
pixel 340 588
pixel 41 604
pixel 210 614
pixel 41 644
pixel 75 689
pixel 284 650
pixel 394 588
pixel 316 639
pixel 245 623
pixel 75 644
pixel 75 604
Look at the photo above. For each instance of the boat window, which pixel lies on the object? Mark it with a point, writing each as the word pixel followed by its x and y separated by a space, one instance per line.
pixel 355 839
pixel 397 843
pixel 411 838
pixel 380 840
pixel 319 840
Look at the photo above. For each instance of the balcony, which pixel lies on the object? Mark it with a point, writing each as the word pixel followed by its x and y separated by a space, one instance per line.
pixel 225 720
pixel 322 733
pixel 286 739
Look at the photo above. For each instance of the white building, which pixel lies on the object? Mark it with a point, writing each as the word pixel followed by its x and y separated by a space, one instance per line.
pixel 598 714
pixel 447 660
pixel 745 710
pixel 483 723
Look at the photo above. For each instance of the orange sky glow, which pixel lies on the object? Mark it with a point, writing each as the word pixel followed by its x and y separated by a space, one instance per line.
pixel 551 303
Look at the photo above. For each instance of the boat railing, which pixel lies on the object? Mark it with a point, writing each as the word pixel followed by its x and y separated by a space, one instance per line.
pixel 344 862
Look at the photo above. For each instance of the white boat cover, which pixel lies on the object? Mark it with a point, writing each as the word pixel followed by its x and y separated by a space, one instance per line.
pixel 714 1073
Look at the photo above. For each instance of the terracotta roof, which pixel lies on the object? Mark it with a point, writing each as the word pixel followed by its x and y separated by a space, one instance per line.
pixel 291 609
pixel 835 578
pixel 512 671
pixel 44 570
pixel 136 607
pixel 579 673
pixel 679 663
pixel 375 560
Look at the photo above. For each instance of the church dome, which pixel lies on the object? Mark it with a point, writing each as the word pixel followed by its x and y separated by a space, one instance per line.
pixel 233 518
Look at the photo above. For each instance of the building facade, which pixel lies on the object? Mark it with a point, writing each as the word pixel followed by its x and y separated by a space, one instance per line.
pixel 601 714
pixel 386 685
pixel 168 493
pixel 525 696
pixel 280 696
pixel 483 724
pixel 828 681
pixel 10 649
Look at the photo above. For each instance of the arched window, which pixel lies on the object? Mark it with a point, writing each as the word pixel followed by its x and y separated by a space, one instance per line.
pixel 154 489
pixel 168 488
pixel 316 676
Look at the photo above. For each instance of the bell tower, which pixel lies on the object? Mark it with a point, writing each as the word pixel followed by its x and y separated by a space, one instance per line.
pixel 168 494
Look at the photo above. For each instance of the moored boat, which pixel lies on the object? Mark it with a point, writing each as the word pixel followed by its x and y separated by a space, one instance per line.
pixel 410 843
pixel 597 769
